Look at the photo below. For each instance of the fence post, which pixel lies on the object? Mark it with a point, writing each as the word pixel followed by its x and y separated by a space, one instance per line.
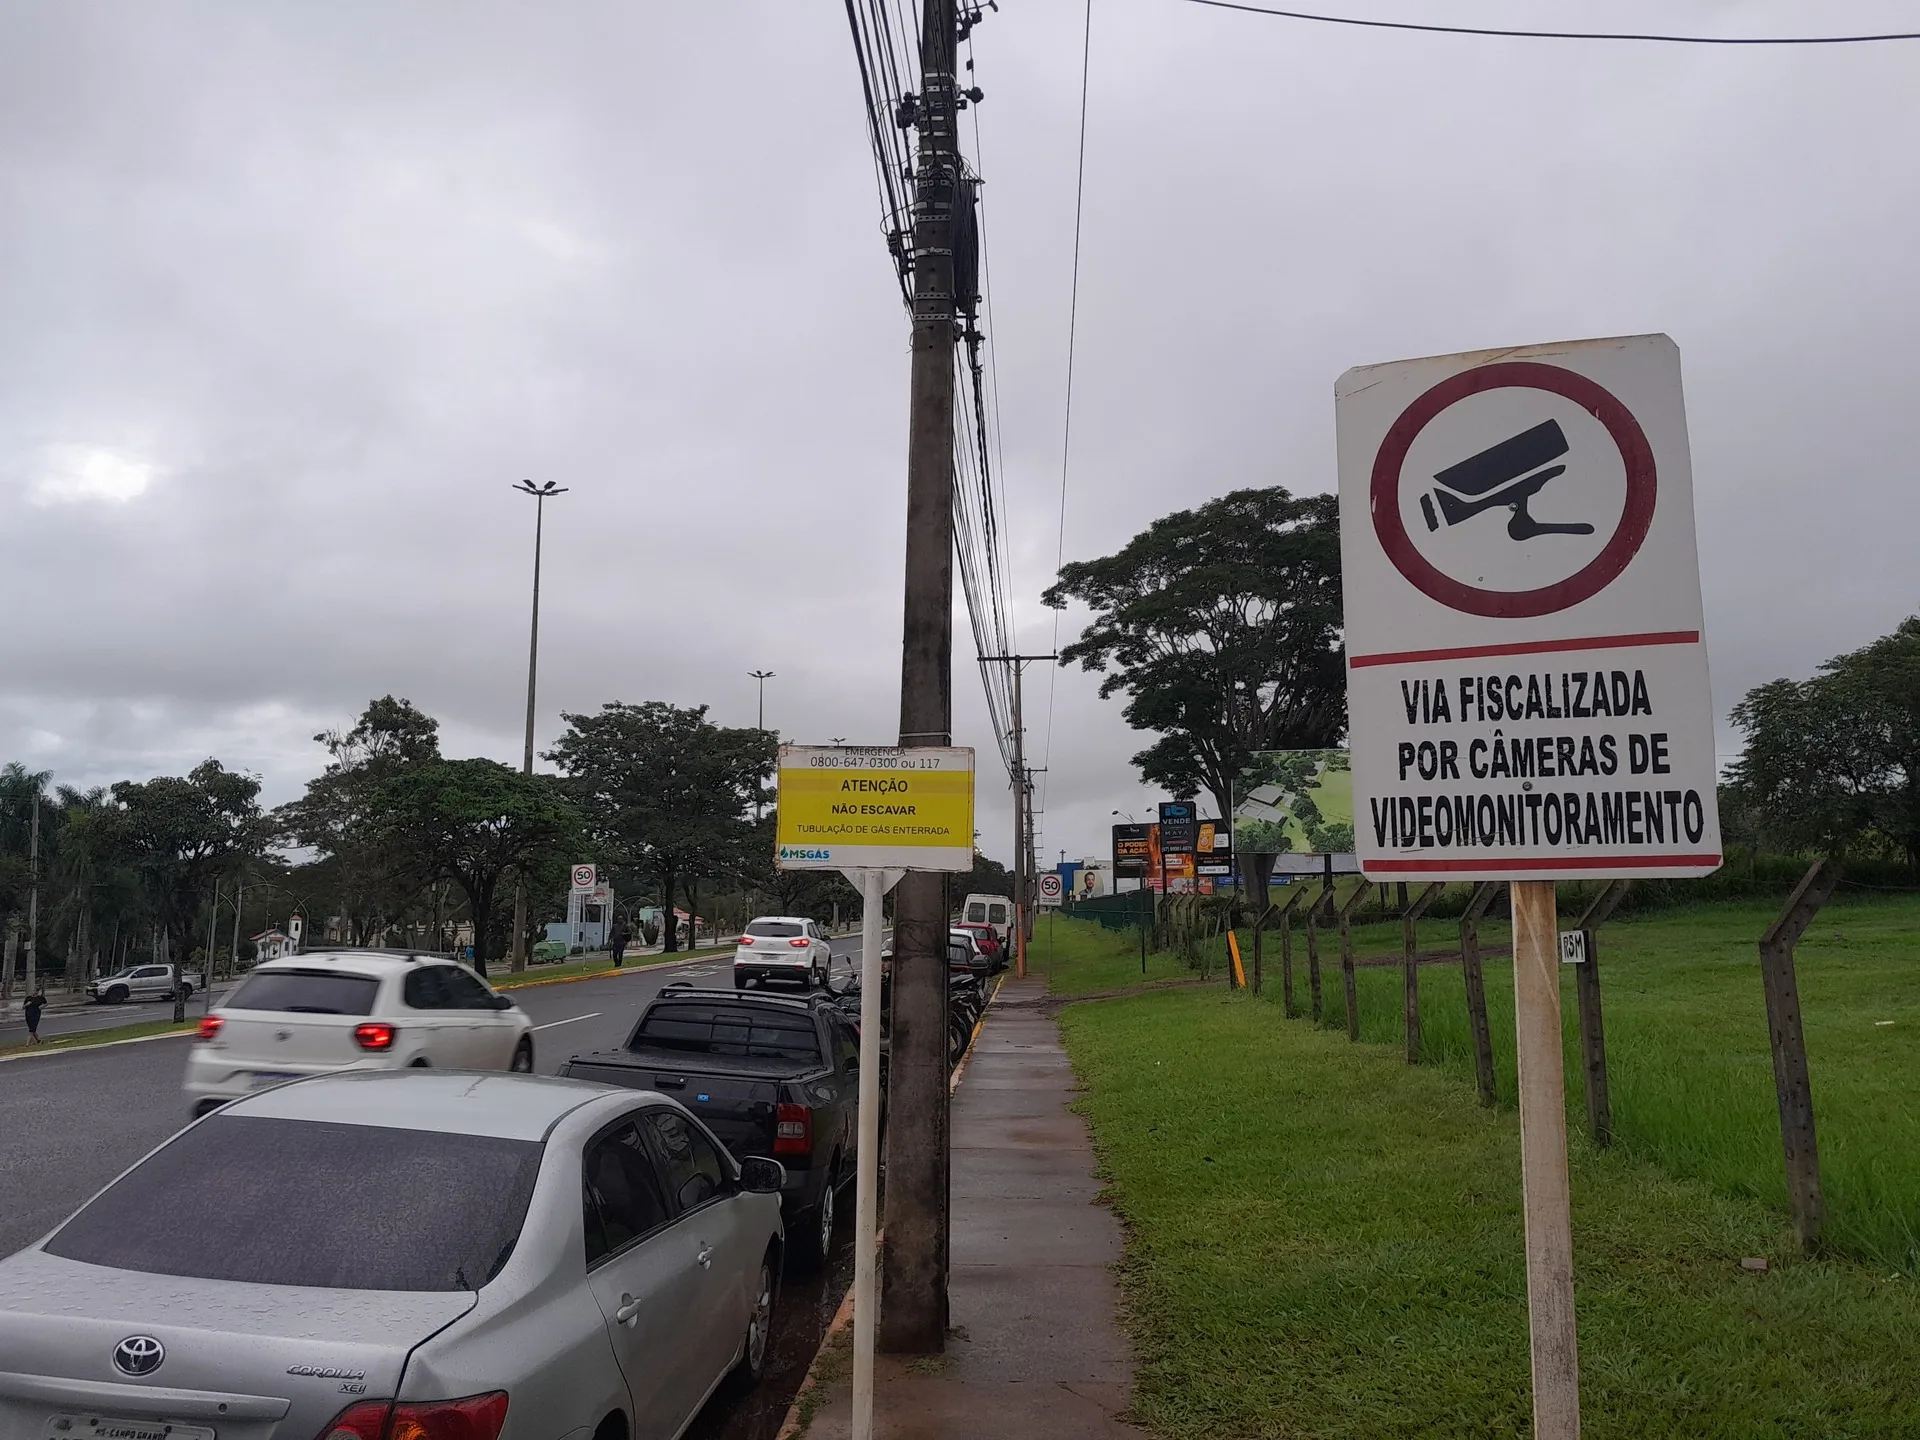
pixel 1410 964
pixel 1593 1034
pixel 1791 1082
pixel 1286 951
pixel 1258 926
pixel 1346 958
pixel 1483 896
pixel 1322 901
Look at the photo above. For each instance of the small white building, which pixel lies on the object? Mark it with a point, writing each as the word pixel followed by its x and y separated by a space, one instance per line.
pixel 271 945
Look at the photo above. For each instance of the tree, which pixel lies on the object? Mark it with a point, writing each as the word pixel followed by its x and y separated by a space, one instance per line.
pixel 1833 763
pixel 1222 625
pixel 182 834
pixel 376 873
pixel 667 792
pixel 473 821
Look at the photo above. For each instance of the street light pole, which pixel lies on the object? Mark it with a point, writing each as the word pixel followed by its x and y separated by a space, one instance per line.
pixel 762 676
pixel 541 494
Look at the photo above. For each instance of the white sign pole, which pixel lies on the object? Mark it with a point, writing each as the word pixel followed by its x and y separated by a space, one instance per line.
pixel 873 886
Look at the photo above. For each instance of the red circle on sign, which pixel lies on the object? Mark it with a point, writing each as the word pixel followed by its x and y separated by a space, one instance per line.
pixel 1598 573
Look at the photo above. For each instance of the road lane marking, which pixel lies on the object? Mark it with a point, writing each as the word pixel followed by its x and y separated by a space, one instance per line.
pixel 590 1015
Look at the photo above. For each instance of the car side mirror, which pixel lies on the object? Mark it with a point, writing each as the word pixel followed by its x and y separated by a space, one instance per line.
pixel 502 1002
pixel 761 1176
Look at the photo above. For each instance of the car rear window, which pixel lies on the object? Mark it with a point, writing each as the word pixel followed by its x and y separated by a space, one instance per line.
pixel 774 929
pixel 753 1031
pixel 310 992
pixel 977 912
pixel 305 1202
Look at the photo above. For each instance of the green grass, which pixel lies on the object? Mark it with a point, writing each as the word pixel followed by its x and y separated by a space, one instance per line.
pixel 81 1039
pixel 1688 1059
pixel 1324 1241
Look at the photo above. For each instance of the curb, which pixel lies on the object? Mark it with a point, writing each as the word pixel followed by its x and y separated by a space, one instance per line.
pixel 843 1317
pixel 607 973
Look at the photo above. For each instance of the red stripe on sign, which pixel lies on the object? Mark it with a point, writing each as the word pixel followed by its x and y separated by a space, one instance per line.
pixel 1528 647
pixel 1469 868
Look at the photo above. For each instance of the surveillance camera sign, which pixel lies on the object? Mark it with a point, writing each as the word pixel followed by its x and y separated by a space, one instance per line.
pixel 1527 674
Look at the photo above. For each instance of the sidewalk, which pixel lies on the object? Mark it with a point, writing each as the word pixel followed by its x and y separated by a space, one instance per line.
pixel 1035 1350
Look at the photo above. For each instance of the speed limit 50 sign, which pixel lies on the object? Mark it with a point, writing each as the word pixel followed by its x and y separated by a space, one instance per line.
pixel 1051 890
pixel 1527 673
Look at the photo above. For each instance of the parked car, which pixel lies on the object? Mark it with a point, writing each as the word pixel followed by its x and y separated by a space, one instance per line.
pixel 993 910
pixel 771 1075
pixel 988 941
pixel 143 982
pixel 788 948
pixel 965 950
pixel 496 1257
pixel 353 1010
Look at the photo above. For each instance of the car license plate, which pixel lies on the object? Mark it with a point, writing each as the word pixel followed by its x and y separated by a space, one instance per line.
pixel 97 1427
pixel 264 1078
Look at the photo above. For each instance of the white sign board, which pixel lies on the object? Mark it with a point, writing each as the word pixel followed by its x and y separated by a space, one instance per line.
pixel 1050 890
pixel 1573 947
pixel 1527 674
pixel 585 878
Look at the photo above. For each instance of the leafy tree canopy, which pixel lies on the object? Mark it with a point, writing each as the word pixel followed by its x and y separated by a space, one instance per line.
pixel 1222 625
pixel 1833 763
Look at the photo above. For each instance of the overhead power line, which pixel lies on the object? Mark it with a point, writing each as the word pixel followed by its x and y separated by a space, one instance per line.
pixel 1356 20
pixel 1073 326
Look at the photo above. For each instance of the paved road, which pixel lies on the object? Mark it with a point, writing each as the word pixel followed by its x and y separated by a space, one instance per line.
pixel 70 1121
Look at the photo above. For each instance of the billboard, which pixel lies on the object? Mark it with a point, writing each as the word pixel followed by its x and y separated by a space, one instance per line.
pixel 1133 851
pixel 1091 881
pixel 1294 802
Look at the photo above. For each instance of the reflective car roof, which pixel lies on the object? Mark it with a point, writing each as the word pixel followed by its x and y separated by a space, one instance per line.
pixel 511 1107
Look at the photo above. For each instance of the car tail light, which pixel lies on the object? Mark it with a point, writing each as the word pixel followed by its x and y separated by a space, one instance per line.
pixel 209 1027
pixel 478 1417
pixel 746 939
pixel 799 942
pixel 793 1130
pixel 373 1036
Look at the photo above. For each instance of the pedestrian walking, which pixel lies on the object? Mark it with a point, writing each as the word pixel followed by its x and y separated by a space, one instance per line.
pixel 32 1006
pixel 617 942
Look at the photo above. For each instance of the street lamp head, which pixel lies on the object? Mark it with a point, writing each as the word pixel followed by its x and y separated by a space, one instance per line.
pixel 542 492
pixel 760 674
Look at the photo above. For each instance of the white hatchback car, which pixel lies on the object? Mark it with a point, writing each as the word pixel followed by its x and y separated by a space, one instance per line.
pixel 353 1010
pixel 781 947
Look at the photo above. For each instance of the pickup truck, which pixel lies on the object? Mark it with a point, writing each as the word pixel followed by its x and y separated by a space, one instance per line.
pixel 773 1075
pixel 143 982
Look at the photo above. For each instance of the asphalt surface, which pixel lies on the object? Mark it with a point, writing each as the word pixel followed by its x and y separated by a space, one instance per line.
pixel 70 1121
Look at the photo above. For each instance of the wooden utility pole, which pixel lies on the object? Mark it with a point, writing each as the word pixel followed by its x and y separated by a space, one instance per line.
pixel 913 1296
pixel 1593 1033
pixel 1545 1192
pixel 1023 861
pixel 1484 895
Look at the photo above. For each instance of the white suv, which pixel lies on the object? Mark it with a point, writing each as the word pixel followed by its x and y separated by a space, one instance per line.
pixel 353 1010
pixel 781 947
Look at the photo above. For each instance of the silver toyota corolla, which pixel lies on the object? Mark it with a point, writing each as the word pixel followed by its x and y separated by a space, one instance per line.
pixel 415 1255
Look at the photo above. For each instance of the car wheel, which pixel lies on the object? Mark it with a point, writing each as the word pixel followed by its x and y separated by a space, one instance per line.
pixel 739 982
pixel 817 1246
pixel 522 1062
pixel 754 1347
pixel 116 996
pixel 186 991
pixel 421 1064
pixel 207 1107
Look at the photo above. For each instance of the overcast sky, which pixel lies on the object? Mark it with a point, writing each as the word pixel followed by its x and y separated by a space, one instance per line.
pixel 290 295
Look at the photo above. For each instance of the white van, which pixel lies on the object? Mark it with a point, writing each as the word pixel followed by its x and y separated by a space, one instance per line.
pixel 994 910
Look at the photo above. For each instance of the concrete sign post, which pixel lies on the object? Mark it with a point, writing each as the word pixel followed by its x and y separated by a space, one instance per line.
pixel 872 813
pixel 1527 679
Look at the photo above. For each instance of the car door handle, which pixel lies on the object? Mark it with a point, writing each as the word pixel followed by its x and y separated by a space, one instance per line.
pixel 705 1257
pixel 629 1312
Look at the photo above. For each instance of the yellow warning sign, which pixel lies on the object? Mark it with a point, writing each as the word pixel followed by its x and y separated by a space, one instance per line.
pixel 861 807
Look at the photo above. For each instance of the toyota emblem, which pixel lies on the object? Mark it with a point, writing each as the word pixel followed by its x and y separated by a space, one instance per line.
pixel 138 1355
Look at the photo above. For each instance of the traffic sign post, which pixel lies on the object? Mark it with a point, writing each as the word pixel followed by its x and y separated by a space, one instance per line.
pixel 1527 679
pixel 1051 890
pixel 872 813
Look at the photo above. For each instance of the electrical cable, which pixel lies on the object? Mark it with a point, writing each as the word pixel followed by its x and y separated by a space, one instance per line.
pixel 1428 29
pixel 1066 428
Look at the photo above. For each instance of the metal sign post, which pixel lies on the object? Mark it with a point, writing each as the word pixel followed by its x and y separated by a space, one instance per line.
pixel 1527 681
pixel 872 813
